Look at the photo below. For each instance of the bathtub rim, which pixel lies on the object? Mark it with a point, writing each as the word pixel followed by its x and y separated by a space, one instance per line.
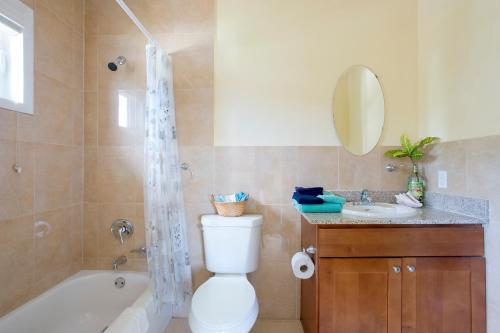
pixel 84 275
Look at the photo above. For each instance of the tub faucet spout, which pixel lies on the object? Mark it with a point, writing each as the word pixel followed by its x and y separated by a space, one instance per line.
pixel 119 261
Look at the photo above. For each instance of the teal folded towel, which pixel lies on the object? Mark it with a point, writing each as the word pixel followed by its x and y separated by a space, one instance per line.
pixel 326 207
pixel 332 198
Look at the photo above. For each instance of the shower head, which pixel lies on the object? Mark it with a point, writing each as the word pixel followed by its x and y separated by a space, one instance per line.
pixel 113 66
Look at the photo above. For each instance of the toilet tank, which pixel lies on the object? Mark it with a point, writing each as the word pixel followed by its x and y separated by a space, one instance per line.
pixel 232 244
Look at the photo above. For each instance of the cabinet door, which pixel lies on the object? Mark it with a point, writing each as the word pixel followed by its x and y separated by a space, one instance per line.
pixel 443 295
pixel 360 295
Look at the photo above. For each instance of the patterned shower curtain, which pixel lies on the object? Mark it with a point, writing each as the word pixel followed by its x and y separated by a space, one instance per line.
pixel 168 256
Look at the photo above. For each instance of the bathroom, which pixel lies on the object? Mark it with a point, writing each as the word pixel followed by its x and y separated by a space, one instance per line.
pixel 254 85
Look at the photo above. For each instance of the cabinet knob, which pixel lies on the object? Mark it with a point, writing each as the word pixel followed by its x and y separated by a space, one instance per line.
pixel 396 269
pixel 410 268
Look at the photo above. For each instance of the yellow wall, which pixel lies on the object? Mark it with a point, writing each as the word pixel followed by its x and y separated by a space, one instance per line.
pixel 459 68
pixel 277 63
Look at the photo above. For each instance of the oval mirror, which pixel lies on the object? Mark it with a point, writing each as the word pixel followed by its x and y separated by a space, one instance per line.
pixel 358 110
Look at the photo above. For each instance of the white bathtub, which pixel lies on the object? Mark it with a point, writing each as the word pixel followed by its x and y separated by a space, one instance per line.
pixel 87 302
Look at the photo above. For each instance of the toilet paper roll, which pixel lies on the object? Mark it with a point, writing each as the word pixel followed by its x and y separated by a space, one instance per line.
pixel 302 265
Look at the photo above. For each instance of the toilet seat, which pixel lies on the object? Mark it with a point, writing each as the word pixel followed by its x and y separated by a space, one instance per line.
pixel 224 303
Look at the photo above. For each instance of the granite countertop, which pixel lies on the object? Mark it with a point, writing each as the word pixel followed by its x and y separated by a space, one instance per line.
pixel 424 216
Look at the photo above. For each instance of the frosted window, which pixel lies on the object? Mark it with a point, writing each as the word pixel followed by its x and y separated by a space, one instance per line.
pixel 11 64
pixel 16 56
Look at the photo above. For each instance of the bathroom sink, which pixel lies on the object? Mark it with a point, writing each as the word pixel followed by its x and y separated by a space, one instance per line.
pixel 378 210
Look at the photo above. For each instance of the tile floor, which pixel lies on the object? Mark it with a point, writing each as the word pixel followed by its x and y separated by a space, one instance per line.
pixel 262 326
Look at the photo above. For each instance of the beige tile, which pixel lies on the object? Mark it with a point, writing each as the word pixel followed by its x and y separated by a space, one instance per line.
pixel 158 16
pixel 78 55
pixel 120 118
pixel 16 192
pixel 198 180
pixel 449 157
pixel 193 62
pixel 52 244
pixel 359 172
pixel 16 262
pixel 53 40
pixel 53 177
pixel 234 170
pixel 194 16
pixel 91 119
pixel 53 120
pixel 277 326
pixel 194 116
pixel 63 9
pixel 280 234
pixel 91 185
pixel 91 67
pixel 90 231
pixel 482 165
pixel 181 325
pixel 91 17
pixel 276 290
pixel 77 174
pixel 396 180
pixel 76 237
pixel 8 125
pixel 77 109
pixel 118 174
pixel 318 166
pixel 78 15
pixel 52 278
pixel 110 19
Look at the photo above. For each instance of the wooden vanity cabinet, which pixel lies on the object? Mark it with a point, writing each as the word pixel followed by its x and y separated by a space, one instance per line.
pixel 393 279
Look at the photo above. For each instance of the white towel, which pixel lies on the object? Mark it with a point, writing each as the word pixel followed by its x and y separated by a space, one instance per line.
pixel 131 320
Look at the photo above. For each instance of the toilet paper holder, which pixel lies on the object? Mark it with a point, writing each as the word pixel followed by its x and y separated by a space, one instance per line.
pixel 309 250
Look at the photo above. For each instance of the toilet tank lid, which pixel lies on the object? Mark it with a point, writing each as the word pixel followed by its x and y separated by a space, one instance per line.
pixel 246 221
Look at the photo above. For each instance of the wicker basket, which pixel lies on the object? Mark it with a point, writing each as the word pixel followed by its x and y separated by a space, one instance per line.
pixel 229 209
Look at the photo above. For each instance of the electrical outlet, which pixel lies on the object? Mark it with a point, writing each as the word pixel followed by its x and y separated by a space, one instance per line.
pixel 443 179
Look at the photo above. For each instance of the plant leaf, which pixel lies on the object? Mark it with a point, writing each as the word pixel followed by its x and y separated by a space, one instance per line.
pixel 426 141
pixel 406 144
pixel 391 153
pixel 416 155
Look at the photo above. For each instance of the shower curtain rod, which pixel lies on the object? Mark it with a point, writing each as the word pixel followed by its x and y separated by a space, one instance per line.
pixel 136 21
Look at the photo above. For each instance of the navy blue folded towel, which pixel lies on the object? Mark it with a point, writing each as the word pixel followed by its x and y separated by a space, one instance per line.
pixel 306 199
pixel 309 190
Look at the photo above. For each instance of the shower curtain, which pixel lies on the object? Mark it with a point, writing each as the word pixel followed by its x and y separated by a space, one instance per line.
pixel 168 256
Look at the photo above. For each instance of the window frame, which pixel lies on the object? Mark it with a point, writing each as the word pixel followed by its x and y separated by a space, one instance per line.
pixel 22 14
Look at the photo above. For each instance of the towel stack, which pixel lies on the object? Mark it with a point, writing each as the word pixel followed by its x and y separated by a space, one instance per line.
pixel 314 200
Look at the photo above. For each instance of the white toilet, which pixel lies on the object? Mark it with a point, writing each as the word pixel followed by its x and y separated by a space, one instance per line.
pixel 227 303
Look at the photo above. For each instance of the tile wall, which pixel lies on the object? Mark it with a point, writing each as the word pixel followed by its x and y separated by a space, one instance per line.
pixel 473 168
pixel 41 207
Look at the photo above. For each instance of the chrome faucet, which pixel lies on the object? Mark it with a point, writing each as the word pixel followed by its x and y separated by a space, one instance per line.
pixel 119 261
pixel 365 198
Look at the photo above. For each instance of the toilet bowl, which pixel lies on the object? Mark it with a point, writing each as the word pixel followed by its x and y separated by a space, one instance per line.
pixel 226 303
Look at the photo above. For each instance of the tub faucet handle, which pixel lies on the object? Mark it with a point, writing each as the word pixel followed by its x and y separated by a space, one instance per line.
pixel 122 229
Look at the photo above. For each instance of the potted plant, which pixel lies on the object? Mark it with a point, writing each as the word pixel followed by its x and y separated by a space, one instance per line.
pixel 414 153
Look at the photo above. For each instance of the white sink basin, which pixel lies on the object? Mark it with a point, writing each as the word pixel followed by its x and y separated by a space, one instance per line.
pixel 378 210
